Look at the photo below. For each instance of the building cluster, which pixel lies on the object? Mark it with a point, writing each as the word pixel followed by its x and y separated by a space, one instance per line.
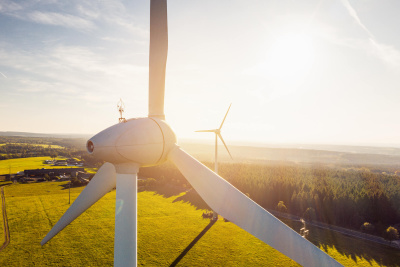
pixel 64 162
pixel 74 172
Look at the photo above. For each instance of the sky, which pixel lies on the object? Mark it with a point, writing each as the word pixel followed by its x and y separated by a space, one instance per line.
pixel 312 71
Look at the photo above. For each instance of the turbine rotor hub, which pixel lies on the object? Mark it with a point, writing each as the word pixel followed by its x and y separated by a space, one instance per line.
pixel 144 141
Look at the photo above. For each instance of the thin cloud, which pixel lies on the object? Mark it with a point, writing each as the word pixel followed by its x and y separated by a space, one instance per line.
pixel 58 19
pixel 6 6
pixel 386 53
pixel 112 13
pixel 354 15
pixel 383 52
pixel 81 15
pixel 72 72
pixel 90 13
pixel 3 74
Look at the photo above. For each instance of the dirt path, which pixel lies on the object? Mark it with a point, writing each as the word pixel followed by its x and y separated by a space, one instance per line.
pixel 5 221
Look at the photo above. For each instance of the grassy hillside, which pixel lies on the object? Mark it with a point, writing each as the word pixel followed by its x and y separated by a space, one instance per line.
pixel 34 208
pixel 20 164
pixel 167 225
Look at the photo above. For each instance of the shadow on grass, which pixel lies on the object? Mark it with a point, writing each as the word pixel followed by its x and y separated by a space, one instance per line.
pixel 350 247
pixel 66 186
pixel 166 191
pixel 191 196
pixel 189 247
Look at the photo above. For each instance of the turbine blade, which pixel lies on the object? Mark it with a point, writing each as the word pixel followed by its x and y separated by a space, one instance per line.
pixel 220 137
pixel 101 183
pixel 206 131
pixel 225 117
pixel 233 205
pixel 125 246
pixel 158 57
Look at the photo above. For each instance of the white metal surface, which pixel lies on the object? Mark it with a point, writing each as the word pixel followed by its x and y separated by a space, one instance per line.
pixel 225 199
pixel 101 183
pixel 145 141
pixel 158 57
pixel 125 245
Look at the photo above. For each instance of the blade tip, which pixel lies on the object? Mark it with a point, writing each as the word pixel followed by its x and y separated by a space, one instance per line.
pixel 46 239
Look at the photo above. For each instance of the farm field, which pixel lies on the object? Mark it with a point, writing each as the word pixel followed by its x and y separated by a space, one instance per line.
pixel 167 224
pixel 20 164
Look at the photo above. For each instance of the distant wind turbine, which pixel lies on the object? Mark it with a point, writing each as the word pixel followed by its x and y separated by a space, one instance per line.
pixel 218 134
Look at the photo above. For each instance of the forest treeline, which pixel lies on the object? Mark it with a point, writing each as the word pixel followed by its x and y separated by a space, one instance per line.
pixel 337 196
pixel 22 147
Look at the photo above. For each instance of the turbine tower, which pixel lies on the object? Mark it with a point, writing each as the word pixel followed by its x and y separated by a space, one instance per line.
pixel 217 134
pixel 141 142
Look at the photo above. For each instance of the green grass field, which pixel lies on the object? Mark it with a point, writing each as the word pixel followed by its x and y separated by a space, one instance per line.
pixel 20 164
pixel 167 224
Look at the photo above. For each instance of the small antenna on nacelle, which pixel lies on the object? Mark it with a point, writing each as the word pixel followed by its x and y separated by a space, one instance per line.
pixel 121 107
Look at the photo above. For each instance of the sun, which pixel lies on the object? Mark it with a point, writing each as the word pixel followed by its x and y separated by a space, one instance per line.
pixel 290 57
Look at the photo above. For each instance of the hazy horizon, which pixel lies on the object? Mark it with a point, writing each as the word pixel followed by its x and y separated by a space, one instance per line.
pixel 230 142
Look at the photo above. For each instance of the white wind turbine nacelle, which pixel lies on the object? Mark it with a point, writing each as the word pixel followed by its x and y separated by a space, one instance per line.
pixel 144 141
pixel 150 141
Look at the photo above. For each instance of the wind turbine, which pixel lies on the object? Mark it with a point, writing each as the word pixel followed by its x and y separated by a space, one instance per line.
pixel 218 134
pixel 141 142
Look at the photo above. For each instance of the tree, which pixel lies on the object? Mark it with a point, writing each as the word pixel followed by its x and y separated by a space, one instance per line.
pixel 151 182
pixel 357 220
pixel 367 228
pixel 75 181
pixel 391 234
pixel 53 155
pixel 309 214
pixel 281 207
pixel 46 177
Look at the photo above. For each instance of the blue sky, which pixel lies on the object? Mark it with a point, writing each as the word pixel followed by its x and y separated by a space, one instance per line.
pixel 295 71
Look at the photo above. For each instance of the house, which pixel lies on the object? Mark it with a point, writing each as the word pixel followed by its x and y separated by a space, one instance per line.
pixel 53 172
pixel 83 175
pixel 61 163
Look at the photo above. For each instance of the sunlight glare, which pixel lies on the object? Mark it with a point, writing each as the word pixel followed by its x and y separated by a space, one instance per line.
pixel 291 57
